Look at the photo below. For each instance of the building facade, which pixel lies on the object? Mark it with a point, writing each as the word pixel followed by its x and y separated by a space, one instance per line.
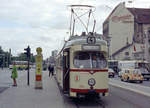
pixel 127 28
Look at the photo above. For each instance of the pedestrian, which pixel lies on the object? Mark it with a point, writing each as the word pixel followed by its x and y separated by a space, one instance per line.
pixel 51 70
pixel 14 75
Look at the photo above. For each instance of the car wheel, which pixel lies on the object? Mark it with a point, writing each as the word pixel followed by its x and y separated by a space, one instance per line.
pixel 121 78
pixel 127 80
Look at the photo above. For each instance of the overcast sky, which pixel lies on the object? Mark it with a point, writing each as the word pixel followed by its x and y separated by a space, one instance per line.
pixel 45 23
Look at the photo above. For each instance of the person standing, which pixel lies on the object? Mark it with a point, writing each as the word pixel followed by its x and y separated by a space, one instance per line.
pixel 14 75
pixel 51 69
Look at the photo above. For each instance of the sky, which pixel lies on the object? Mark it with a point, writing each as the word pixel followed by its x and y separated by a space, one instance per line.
pixel 45 23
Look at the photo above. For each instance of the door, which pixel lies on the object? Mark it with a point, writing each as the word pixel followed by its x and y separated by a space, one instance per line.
pixel 66 71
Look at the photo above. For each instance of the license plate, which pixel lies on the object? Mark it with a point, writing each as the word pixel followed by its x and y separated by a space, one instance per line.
pixel 146 75
pixel 91 91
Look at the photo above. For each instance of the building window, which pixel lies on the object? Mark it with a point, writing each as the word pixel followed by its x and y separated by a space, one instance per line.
pixel 127 53
pixel 136 55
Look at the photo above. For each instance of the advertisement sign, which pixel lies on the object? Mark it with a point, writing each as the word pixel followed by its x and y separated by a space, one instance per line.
pixel 38 72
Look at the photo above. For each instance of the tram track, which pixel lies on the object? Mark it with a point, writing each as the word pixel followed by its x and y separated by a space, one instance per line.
pixel 101 103
pixel 89 103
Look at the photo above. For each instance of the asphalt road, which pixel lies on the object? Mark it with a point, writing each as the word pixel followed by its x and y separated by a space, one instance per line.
pixel 118 97
pixel 145 82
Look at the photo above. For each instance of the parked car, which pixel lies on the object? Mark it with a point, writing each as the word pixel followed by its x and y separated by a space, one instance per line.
pixel 130 75
pixel 121 72
pixel 111 72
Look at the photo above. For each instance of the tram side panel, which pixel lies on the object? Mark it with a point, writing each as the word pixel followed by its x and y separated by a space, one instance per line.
pixel 79 82
pixel 59 72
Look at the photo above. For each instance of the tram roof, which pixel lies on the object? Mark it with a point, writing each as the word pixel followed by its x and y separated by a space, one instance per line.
pixel 80 40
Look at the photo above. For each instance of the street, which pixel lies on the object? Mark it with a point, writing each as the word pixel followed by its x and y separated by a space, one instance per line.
pixel 50 96
pixel 145 82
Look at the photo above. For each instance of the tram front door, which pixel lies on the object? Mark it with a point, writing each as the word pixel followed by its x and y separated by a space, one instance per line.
pixel 66 71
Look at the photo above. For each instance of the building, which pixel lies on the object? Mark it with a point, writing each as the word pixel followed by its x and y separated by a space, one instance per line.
pixel 54 53
pixel 128 29
pixel 52 58
pixel 129 52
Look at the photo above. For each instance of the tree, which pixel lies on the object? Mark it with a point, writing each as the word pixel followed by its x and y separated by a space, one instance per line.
pixel 23 57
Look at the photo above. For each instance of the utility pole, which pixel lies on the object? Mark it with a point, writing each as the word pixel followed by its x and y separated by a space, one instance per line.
pixel 28 59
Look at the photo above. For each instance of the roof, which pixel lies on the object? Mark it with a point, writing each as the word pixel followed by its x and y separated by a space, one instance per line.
pixel 80 40
pixel 142 15
pixel 121 49
pixel 111 13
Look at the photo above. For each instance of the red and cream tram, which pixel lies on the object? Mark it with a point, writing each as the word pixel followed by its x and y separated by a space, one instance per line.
pixel 81 65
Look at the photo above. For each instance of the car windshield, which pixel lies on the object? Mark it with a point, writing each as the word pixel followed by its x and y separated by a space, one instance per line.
pixel 136 71
pixel 89 60
pixel 143 70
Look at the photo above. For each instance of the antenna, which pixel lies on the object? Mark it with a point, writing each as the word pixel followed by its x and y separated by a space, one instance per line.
pixel 77 14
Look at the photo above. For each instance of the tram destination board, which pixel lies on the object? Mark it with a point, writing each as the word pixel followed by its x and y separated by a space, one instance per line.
pixel 91 47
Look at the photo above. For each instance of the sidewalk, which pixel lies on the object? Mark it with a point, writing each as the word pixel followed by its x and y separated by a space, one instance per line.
pixel 5 80
pixel 24 96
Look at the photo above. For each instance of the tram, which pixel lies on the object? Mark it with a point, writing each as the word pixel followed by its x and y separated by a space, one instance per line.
pixel 81 66
pixel 20 65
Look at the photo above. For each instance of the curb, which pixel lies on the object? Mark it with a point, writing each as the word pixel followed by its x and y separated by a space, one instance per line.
pixel 133 90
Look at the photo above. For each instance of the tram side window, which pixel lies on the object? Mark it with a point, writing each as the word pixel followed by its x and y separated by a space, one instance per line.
pixel 82 60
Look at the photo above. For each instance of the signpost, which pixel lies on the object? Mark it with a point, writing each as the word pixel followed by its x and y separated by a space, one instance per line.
pixel 38 73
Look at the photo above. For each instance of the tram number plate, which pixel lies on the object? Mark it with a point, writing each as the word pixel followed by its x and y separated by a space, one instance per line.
pixel 146 75
pixel 91 91
pixel 91 47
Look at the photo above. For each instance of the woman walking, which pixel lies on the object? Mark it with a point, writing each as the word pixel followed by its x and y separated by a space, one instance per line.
pixel 14 75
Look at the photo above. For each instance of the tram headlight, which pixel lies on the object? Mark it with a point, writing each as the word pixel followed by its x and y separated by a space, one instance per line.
pixel 91 82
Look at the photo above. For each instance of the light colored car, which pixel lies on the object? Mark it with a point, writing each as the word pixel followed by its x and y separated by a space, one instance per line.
pixel 111 73
pixel 121 72
pixel 130 75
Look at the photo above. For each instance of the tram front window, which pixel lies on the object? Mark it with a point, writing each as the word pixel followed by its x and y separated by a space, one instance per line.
pixel 82 60
pixel 89 60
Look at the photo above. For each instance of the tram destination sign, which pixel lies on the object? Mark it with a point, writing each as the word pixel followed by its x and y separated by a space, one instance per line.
pixel 91 47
